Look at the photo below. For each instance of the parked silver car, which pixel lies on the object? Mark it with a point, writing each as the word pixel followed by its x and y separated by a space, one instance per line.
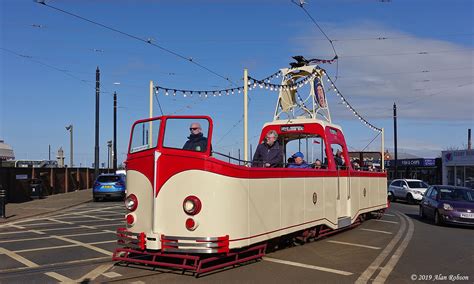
pixel 411 190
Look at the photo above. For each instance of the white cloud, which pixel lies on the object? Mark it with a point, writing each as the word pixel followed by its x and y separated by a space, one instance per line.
pixel 373 74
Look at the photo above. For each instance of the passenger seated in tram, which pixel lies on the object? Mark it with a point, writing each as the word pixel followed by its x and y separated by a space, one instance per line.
pixel 268 154
pixel 299 161
pixel 318 165
pixel 196 140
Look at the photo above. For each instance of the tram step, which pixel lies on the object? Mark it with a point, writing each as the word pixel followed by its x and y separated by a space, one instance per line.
pixel 343 222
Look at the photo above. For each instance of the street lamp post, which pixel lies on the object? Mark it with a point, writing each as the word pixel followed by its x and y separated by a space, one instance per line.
pixel 97 100
pixel 114 152
pixel 71 164
pixel 395 150
pixel 109 150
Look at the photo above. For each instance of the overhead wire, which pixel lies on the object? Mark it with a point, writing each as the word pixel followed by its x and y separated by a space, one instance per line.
pixel 301 5
pixel 148 41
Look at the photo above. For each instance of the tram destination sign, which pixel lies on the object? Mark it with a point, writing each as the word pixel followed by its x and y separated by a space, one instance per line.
pixel 292 128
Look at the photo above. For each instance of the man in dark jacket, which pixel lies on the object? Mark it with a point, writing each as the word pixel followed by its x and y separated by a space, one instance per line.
pixel 268 154
pixel 196 141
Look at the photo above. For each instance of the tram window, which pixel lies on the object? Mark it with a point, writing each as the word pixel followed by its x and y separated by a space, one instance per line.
pixel 178 131
pixel 312 147
pixel 141 138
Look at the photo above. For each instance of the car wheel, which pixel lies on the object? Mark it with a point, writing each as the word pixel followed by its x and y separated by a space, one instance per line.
pixel 438 220
pixel 410 199
pixel 391 197
pixel 422 213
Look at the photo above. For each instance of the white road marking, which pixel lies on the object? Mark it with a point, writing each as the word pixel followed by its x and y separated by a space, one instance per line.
pixel 367 274
pixel 45 248
pixel 23 240
pixel 87 234
pixel 16 226
pixel 385 221
pixel 137 282
pixel 18 257
pixel 397 254
pixel 19 269
pixel 112 274
pixel 96 272
pixel 297 264
pixel 60 221
pixel 59 277
pixel 391 215
pixel 37 232
pixel 13 232
pixel 377 231
pixel 37 224
pixel 354 245
pixel 106 252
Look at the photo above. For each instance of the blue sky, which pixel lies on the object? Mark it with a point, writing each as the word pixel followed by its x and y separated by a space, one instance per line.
pixel 48 61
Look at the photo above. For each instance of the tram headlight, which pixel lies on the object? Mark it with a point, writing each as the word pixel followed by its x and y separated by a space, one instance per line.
pixel 191 205
pixel 131 202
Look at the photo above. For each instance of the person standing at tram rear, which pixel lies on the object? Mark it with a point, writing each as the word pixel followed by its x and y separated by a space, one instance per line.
pixel 339 159
pixel 299 162
pixel 196 141
pixel 269 153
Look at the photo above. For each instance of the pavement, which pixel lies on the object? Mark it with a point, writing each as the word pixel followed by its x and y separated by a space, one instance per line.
pixel 45 206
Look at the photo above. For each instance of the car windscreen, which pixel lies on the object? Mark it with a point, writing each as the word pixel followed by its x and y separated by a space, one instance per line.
pixel 417 184
pixel 108 179
pixel 457 194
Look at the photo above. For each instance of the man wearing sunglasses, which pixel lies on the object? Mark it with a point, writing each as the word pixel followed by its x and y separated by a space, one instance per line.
pixel 196 141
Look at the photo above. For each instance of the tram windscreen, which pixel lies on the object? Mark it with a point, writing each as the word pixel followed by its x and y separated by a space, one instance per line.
pixel 186 134
pixel 312 147
pixel 144 136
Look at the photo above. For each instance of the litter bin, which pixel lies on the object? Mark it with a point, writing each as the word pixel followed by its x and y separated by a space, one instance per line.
pixel 36 188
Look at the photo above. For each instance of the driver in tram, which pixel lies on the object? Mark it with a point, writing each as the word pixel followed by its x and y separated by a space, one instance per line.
pixel 196 140
pixel 269 153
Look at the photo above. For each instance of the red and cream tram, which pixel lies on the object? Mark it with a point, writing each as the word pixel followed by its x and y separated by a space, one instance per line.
pixel 193 209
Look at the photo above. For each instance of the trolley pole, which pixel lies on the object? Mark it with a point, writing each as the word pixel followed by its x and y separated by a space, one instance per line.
pixel 97 100
pixel 395 139
pixel 114 151
pixel 246 90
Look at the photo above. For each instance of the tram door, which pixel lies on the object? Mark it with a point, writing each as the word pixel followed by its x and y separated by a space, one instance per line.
pixel 343 201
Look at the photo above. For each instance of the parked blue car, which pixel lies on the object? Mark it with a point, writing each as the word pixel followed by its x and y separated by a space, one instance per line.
pixel 109 186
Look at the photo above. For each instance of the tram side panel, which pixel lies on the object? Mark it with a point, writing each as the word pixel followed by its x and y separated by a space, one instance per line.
pixel 330 201
pixel 139 185
pixel 355 197
pixel 315 201
pixel 224 206
pixel 292 202
pixel 264 209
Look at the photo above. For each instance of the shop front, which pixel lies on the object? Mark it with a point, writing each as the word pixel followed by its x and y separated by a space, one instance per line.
pixel 458 168
pixel 427 170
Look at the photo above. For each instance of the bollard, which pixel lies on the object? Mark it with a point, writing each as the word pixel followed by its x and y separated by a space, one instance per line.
pixel 3 201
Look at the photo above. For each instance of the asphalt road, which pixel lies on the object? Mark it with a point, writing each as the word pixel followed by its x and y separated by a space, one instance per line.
pixel 76 245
